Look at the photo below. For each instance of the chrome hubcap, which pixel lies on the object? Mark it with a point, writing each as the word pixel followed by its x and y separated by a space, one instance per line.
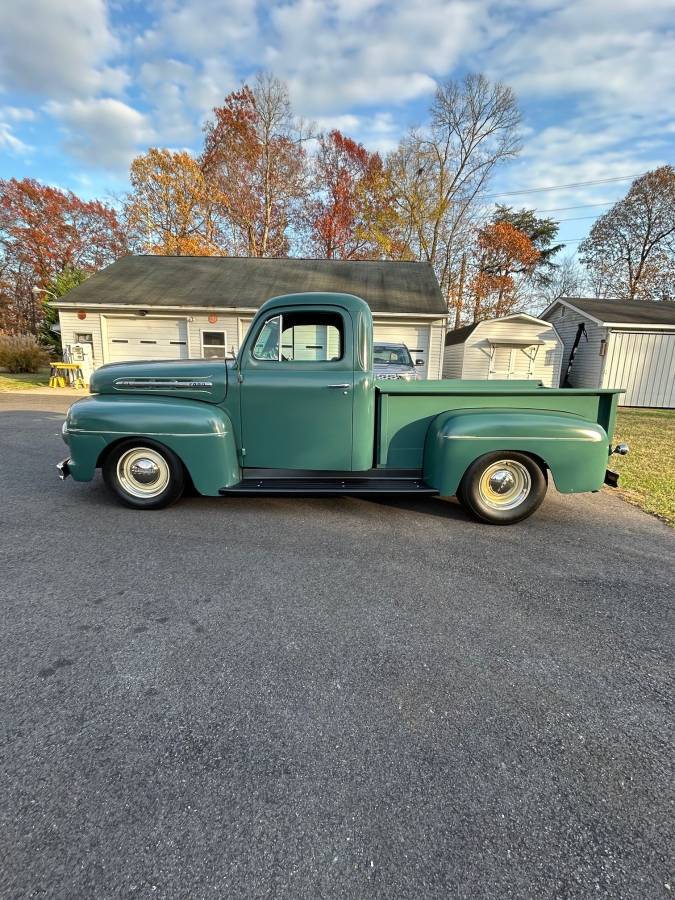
pixel 143 472
pixel 504 484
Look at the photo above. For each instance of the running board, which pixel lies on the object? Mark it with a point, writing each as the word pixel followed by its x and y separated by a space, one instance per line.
pixel 330 486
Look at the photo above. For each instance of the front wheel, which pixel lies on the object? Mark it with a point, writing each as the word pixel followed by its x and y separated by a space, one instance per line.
pixel 144 475
pixel 502 488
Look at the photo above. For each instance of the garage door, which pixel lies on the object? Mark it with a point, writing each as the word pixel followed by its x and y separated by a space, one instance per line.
pixel 415 337
pixel 146 338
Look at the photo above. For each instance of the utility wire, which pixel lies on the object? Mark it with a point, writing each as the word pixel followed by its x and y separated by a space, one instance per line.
pixel 556 187
pixel 577 218
pixel 580 206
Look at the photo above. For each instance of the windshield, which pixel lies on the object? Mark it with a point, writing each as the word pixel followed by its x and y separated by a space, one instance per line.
pixel 391 356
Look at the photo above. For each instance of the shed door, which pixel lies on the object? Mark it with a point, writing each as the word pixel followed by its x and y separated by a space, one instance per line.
pixel 415 337
pixel 512 361
pixel 642 362
pixel 146 338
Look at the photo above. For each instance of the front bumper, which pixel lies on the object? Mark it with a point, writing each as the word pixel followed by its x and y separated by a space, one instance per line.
pixel 64 468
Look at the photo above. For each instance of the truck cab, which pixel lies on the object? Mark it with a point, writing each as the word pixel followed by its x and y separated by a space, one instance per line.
pixel 301 411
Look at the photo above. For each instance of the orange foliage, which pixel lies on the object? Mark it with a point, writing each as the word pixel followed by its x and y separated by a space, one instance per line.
pixel 170 210
pixel 502 252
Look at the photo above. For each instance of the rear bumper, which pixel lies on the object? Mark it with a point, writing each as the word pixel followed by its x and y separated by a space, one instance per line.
pixel 63 468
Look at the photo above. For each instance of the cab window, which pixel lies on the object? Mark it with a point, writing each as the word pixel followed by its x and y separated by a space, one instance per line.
pixel 301 337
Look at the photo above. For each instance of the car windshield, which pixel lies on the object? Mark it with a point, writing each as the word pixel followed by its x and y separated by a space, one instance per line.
pixel 391 356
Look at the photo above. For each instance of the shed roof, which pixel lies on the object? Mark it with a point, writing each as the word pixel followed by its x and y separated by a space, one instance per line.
pixel 622 312
pixel 459 335
pixel 246 283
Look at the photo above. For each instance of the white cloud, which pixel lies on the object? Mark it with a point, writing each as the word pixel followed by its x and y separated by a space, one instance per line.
pixel 203 27
pixel 104 133
pixel 57 49
pixel 337 55
pixel 10 142
pixel 17 113
pixel 609 56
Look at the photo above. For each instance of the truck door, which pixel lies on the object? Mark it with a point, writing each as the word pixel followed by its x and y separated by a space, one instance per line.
pixel 297 373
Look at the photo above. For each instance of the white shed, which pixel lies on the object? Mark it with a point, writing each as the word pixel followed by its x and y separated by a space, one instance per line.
pixel 619 344
pixel 518 346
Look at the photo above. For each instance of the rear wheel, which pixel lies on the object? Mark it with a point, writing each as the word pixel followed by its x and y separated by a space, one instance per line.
pixel 144 475
pixel 502 488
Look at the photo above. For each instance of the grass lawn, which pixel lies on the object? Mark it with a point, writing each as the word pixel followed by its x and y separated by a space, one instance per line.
pixel 23 380
pixel 648 472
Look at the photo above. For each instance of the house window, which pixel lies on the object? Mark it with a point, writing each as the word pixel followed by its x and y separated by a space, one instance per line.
pixel 311 336
pixel 213 344
pixel 83 337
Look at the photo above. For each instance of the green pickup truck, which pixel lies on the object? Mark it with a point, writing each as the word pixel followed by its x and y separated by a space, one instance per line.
pixel 300 412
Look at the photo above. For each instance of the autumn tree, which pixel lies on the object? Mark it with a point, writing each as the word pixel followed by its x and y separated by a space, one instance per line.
pixel 542 233
pixel 44 231
pixel 347 213
pixel 630 251
pixel 502 253
pixel 170 210
pixel 254 162
pixel 438 173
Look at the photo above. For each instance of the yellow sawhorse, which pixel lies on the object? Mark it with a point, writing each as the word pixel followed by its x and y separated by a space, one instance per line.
pixel 64 375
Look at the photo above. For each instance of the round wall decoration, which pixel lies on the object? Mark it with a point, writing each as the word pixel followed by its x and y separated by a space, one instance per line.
pixel 213 319
pixel 81 314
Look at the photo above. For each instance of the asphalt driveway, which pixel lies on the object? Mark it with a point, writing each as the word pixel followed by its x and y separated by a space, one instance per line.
pixel 327 698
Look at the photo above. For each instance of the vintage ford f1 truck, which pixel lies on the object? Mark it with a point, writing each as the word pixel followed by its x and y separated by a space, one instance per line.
pixel 299 411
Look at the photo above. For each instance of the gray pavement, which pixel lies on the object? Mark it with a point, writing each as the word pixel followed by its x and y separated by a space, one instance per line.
pixel 327 698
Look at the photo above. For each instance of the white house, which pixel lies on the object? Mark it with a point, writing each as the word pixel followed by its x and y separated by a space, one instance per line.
pixel 517 346
pixel 173 307
pixel 619 344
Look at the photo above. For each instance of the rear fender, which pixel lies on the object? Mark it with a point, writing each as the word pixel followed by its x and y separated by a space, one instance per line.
pixel 201 435
pixel 574 449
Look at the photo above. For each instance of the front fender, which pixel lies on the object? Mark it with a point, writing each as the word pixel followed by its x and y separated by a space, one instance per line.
pixel 574 449
pixel 201 435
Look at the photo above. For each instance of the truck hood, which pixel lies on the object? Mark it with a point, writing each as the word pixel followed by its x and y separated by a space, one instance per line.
pixel 195 379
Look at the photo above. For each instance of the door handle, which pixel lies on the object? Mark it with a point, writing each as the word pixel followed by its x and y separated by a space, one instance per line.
pixel 339 387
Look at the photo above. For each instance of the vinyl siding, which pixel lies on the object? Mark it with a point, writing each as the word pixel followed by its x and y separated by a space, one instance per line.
pixel 71 325
pixel 588 363
pixel 436 349
pixel 452 361
pixel 226 322
pixel 643 363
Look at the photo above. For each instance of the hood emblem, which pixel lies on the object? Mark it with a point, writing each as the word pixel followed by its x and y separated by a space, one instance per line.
pixel 176 384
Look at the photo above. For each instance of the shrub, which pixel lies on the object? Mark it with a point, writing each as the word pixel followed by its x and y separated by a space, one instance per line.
pixel 21 353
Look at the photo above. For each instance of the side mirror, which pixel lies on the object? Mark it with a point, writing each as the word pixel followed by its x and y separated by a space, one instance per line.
pixel 419 362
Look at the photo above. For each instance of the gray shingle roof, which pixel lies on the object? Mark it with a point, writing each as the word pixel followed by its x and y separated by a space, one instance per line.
pixel 242 282
pixel 459 335
pixel 630 313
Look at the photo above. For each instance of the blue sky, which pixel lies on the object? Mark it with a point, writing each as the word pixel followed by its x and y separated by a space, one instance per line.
pixel 85 84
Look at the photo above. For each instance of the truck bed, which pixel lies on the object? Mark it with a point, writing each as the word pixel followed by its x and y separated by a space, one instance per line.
pixel 404 410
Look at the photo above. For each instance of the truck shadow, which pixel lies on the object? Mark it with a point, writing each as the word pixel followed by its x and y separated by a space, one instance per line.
pixel 430 506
